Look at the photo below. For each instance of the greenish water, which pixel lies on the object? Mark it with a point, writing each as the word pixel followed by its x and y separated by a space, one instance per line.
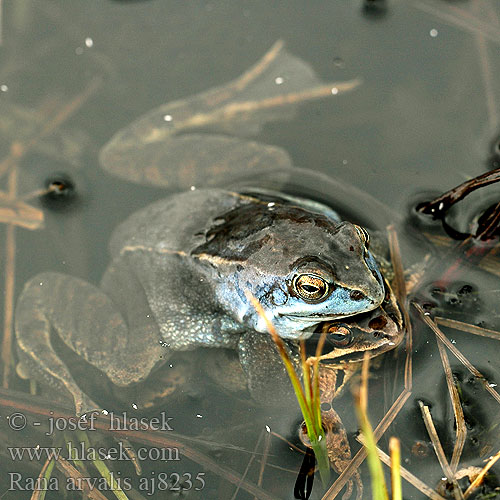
pixel 423 119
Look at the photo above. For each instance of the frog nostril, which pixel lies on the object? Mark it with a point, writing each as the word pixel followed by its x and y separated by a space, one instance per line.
pixel 357 295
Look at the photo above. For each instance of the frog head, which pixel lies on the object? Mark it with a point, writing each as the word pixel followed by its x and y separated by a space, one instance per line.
pixel 302 266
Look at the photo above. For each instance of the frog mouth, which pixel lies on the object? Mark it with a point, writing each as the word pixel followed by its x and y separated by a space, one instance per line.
pixel 315 317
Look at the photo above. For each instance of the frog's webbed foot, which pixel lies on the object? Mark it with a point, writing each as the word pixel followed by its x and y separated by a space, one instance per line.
pixel 87 321
pixel 267 378
pixel 201 140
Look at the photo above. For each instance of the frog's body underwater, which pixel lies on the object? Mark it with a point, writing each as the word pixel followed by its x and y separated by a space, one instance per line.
pixel 181 269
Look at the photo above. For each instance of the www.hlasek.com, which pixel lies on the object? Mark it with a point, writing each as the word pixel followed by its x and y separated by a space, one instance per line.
pixel 84 452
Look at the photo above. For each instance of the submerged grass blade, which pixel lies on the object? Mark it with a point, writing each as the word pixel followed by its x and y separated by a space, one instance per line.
pixel 44 477
pixel 103 469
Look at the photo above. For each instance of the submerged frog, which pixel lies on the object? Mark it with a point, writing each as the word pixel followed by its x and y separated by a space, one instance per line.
pixel 180 267
pixel 178 278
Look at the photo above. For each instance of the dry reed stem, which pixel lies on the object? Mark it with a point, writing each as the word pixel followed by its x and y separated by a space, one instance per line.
pixel 263 462
pixel 70 471
pixel 247 468
pixel 462 19
pixel 461 432
pixel 10 268
pixel 438 448
pixel 467 327
pixel 19 149
pixel 480 377
pixel 37 493
pixel 481 475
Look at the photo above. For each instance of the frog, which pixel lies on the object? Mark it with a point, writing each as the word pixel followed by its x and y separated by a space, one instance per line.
pixel 346 343
pixel 180 268
pixel 177 280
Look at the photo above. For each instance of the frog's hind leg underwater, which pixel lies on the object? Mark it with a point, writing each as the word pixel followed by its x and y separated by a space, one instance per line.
pixel 87 320
pixel 202 140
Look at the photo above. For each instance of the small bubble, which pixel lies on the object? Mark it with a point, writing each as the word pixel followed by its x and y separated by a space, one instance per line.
pixel 104 412
pixel 335 90
pixel 453 341
pixel 271 204
pixel 4 88
pixel 171 365
pixel 344 162
pixel 89 42
pixel 168 118
pixel 134 406
pixel 79 51
pixel 192 188
pixel 199 416
pixel 278 80
pixel 339 62
pixel 433 32
pixel 268 429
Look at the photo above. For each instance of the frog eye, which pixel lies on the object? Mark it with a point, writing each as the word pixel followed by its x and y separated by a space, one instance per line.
pixel 339 335
pixel 363 234
pixel 310 287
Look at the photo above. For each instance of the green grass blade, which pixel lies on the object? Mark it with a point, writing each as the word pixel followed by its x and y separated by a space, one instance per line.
pixel 103 470
pixel 307 396
pixel 395 451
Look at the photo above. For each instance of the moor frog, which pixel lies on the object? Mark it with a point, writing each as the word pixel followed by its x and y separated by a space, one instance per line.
pixel 177 281
pixel 181 266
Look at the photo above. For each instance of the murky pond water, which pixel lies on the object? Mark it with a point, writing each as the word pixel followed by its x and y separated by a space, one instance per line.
pixel 423 118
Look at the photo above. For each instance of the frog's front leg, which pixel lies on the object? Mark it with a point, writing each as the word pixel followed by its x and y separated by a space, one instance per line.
pixel 89 322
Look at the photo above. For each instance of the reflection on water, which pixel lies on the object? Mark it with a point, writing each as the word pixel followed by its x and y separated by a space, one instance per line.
pixel 425 118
